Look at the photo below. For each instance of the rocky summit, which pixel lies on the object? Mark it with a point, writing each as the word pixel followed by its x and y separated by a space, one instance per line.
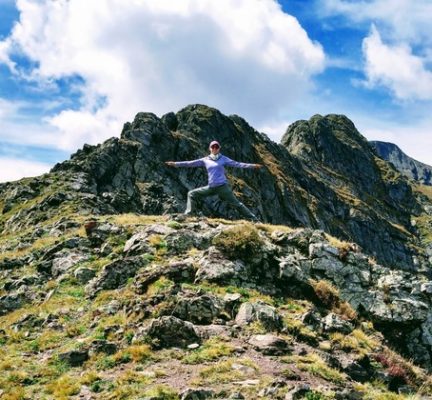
pixel 108 292
pixel 412 169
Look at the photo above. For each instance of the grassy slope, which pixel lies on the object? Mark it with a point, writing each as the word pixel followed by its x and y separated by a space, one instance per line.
pixel 30 367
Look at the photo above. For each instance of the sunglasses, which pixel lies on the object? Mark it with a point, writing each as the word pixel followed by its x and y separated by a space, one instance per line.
pixel 214 146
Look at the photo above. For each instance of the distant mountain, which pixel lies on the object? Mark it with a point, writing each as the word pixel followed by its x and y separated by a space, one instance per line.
pixel 406 165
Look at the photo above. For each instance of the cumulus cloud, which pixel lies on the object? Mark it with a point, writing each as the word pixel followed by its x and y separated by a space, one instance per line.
pixel 245 57
pixel 397 50
pixel 12 169
pixel 401 20
pixel 397 68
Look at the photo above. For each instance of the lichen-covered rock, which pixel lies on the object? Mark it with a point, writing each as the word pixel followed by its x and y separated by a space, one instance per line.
pixel 259 311
pixel 170 331
pixel 115 274
pixel 11 302
pixel 74 358
pixel 138 244
pixel 197 394
pixel 214 267
pixel 334 323
pixel 198 310
pixel 84 275
pixel 270 344
pixel 65 260
pixel 179 271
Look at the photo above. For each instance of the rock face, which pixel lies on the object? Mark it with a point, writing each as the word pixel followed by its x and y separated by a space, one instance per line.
pixel 406 165
pixel 323 175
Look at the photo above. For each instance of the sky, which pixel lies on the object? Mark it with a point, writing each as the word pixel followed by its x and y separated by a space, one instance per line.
pixel 74 71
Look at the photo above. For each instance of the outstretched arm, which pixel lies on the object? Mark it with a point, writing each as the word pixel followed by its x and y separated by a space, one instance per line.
pixel 236 164
pixel 193 163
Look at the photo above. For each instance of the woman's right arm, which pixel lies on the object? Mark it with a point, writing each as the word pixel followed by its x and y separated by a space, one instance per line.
pixel 193 163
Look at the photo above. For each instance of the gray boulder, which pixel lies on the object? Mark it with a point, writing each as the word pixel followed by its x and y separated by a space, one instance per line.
pixel 74 358
pixel 198 310
pixel 11 302
pixel 170 331
pixel 84 274
pixel 259 311
pixel 270 344
pixel 197 394
pixel 65 260
pixel 334 323
pixel 214 267
pixel 115 275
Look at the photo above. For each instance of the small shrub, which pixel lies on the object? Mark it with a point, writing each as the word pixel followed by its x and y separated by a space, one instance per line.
pixel 139 353
pixel 329 297
pixel 396 366
pixel 162 285
pixel 326 292
pixel 162 392
pixel 63 388
pixel 223 372
pixel 174 224
pixel 74 330
pixel 15 393
pixel 157 242
pixel 239 241
pixel 345 310
pixel 106 362
pixel 89 377
pixel 314 396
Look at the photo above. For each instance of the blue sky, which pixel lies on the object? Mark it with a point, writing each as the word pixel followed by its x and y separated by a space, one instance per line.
pixel 72 72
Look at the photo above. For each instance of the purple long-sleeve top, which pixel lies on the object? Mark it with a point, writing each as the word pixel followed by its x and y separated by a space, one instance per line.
pixel 215 168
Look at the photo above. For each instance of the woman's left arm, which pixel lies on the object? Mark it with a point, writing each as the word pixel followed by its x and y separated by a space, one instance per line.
pixel 236 164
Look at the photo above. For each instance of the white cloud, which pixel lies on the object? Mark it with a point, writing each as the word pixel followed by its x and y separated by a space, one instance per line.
pixel 397 50
pixel 12 169
pixel 244 57
pixel 396 68
pixel 400 20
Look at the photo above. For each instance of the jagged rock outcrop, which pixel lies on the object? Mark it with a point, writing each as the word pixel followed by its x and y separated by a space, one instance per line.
pixel 323 175
pixel 406 165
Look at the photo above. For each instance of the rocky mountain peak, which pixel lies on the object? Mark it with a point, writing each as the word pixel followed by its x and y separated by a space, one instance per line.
pixel 331 141
pixel 324 175
pixel 412 169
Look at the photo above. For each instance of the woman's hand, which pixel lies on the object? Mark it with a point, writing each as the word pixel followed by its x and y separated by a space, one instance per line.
pixel 258 166
pixel 170 163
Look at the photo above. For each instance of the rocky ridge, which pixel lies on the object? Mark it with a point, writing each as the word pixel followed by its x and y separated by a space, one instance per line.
pixel 323 175
pixel 406 165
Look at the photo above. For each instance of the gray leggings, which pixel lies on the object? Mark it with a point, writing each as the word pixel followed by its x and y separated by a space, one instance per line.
pixel 224 192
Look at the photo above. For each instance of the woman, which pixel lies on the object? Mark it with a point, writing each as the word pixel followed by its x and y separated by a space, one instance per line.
pixel 217 181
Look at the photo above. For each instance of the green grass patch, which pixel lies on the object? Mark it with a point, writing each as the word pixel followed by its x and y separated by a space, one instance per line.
pixel 211 350
pixel 316 366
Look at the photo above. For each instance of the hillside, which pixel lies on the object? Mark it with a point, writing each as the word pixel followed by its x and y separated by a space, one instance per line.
pixel 107 292
pixel 153 307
